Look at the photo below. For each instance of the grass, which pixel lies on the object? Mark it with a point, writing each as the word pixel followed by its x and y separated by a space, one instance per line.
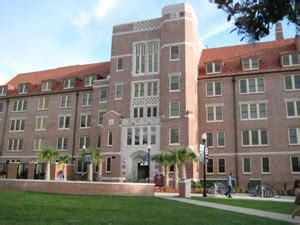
pixel 20 208
pixel 272 206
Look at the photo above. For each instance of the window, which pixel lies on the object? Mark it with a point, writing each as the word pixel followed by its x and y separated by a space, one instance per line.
pixel 15 145
pixel 41 123
pixel 221 139
pixel 294 136
pixel 19 105
pixel 221 166
pixel 251 86
pixel 213 67
pixel 64 122
pixel 140 89
pixel 209 139
pixel 109 138
pixel 1 107
pixel 293 109
pixel 62 144
pixel 17 125
pixel 103 95
pixel 265 165
pixel 214 113
pixel 292 82
pixel 129 136
pixel 85 121
pixel 69 83
pixel 210 166
pixel 246 165
pixel 250 64
pixel 23 88
pixel 137 136
pixel 174 136
pixel 255 138
pixel 213 89
pixel 174 52
pixel 108 164
pixel 2 91
pixel 43 103
pixel 89 80
pixel 84 141
pixel 87 99
pixel 99 141
pixel 138 112
pixel 174 83
pixel 152 111
pixel 118 92
pixel 253 111
pixel 81 167
pixel 37 144
pixel 290 60
pixel 65 101
pixel 100 116
pixel 145 135
pixel 153 135
pixel 146 58
pixel 295 164
pixel 46 86
pixel 119 64
pixel 174 109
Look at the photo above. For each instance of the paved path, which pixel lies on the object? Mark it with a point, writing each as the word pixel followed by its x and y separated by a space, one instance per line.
pixel 253 212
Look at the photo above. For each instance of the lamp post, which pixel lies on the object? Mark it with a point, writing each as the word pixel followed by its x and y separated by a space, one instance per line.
pixel 149 148
pixel 204 137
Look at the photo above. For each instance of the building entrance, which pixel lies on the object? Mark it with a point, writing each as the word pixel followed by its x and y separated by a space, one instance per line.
pixel 142 172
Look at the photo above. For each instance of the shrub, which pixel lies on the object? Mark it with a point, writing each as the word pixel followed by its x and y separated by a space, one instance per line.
pixel 290 192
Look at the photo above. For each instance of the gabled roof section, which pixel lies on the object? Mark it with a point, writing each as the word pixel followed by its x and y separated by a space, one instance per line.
pixel 231 57
pixel 79 71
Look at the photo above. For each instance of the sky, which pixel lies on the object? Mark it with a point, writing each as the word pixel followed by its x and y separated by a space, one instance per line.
pixel 38 35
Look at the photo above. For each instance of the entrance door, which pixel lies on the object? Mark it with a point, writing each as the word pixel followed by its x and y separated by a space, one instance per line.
pixel 142 172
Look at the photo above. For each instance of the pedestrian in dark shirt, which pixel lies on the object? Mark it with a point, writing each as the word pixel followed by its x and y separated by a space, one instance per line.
pixel 297 199
pixel 229 185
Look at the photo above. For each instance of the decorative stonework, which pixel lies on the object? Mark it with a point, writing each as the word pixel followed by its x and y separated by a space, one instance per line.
pixel 147 24
pixel 148 101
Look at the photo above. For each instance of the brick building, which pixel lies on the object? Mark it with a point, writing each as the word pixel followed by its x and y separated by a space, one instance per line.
pixel 161 89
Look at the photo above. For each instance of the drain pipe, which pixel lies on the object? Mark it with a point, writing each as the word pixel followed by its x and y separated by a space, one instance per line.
pixel 75 127
pixel 235 131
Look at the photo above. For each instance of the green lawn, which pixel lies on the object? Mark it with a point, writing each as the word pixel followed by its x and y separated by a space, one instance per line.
pixel 272 206
pixel 39 208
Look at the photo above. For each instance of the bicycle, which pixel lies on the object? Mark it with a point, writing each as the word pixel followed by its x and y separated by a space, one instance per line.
pixel 217 188
pixel 265 191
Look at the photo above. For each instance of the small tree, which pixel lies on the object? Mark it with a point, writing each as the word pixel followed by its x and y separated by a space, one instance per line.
pixel 186 155
pixel 174 154
pixel 46 155
pixel 98 159
pixel 64 159
pixel 164 159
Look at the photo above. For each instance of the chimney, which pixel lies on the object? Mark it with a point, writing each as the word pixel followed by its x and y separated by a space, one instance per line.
pixel 278 31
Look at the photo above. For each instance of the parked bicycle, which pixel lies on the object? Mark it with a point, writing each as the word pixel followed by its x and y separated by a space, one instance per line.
pixel 264 191
pixel 218 188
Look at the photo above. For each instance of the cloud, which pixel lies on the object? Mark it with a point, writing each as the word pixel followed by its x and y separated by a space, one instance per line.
pixel 4 78
pixel 217 29
pixel 102 8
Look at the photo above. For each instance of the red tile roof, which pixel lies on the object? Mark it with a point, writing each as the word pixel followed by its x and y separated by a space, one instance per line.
pixel 231 57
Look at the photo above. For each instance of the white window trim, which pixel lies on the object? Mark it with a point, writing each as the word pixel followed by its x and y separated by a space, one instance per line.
pixel 47 84
pixel 250 63
pixel 3 91
pixel 291 165
pixel 18 144
pixel 298 136
pixel 40 144
pixel 43 101
pixel 86 120
pixel 65 115
pixel 42 119
pixel 256 86
pixel 212 166
pixel 91 77
pixel 218 165
pixel 108 132
pixel 85 139
pixel 215 112
pixel 170 83
pixel 106 159
pixel 23 90
pixel 295 107
pixel 262 171
pixel 290 60
pixel 100 110
pixel 177 59
pixel 214 89
pixel 69 83
pixel 116 88
pixel 243 161
pixel 100 95
pixel 212 136
pixel 18 102
pixel 174 144
pixel 65 107
pixel 117 70
pixel 213 67
pixel 218 146
pixel 16 131
pixel 293 82
pixel 259 139
pixel 170 110
pixel 62 144
pixel 90 98
pixel 257 110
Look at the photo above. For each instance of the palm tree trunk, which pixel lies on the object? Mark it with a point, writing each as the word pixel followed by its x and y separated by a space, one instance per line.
pixel 99 171
pixel 48 171
pixel 90 173
pixel 163 170
pixel 167 179
pixel 175 175
pixel 183 170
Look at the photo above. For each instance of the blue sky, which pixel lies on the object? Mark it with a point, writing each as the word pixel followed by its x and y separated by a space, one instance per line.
pixel 38 35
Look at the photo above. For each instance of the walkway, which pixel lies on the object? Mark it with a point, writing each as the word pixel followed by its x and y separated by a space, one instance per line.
pixel 253 212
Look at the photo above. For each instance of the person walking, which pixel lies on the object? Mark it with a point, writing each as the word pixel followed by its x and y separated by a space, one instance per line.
pixel 297 199
pixel 229 185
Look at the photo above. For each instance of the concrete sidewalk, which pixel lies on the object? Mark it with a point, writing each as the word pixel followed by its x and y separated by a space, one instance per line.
pixel 252 212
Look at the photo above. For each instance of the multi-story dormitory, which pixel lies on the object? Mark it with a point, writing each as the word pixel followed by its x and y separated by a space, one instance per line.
pixel 162 89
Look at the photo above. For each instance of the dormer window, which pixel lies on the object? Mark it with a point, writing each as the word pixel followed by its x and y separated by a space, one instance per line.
pixel 213 67
pixel 69 83
pixel 2 91
pixel 46 86
pixel 250 64
pixel 290 60
pixel 23 88
pixel 89 80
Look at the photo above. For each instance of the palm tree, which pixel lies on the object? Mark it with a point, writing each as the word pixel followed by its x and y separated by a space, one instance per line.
pixel 46 155
pixel 90 152
pixel 175 160
pixel 64 159
pixel 164 159
pixel 98 159
pixel 186 155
